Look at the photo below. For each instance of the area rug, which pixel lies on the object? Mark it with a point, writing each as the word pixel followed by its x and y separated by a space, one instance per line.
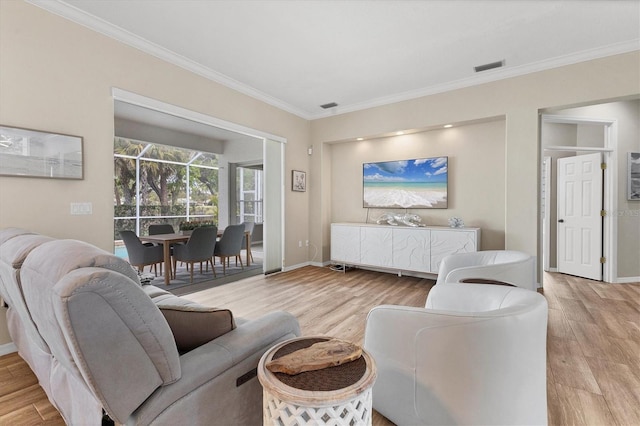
pixel 181 284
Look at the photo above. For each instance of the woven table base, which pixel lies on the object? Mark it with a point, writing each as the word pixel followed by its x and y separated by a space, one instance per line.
pixel 349 413
pixel 336 396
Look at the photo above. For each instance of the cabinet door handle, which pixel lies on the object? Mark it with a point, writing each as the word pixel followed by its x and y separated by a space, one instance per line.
pixel 561 221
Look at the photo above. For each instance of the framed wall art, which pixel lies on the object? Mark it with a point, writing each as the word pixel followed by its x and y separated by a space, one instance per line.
pixel 633 176
pixel 298 181
pixel 35 153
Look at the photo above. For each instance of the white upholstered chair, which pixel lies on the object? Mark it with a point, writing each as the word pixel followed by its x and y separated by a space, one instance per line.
pixel 504 266
pixel 475 355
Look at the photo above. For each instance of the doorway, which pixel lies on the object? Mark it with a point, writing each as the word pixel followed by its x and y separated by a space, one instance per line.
pixel 226 135
pixel 574 137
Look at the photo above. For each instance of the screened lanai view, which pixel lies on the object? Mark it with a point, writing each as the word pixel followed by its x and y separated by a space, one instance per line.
pixel 156 184
pixel 169 176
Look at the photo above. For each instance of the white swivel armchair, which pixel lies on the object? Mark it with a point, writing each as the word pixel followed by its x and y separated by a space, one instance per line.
pixel 505 266
pixel 476 354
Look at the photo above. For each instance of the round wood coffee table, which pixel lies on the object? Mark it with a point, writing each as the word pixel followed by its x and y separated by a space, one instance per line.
pixel 339 395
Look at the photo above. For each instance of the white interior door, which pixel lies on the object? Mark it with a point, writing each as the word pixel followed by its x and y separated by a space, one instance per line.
pixel 579 220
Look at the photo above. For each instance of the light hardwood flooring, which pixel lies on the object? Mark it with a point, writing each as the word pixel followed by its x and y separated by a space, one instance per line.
pixel 593 339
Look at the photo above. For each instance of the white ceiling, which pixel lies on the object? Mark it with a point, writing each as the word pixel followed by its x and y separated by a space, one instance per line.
pixel 298 55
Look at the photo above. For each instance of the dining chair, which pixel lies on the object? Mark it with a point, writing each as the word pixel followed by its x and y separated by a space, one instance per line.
pixel 248 228
pixel 161 228
pixel 199 248
pixel 141 255
pixel 230 244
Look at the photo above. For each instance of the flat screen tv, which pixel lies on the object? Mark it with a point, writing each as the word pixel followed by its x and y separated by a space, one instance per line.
pixel 420 183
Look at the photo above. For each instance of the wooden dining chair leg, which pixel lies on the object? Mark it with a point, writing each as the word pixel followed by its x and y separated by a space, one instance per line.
pixel 212 267
pixel 173 272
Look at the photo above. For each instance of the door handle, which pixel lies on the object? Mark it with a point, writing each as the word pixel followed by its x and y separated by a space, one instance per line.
pixel 561 221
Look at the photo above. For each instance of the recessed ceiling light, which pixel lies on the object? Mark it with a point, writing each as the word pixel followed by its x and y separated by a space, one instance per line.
pixel 399 133
pixel 446 126
pixel 360 139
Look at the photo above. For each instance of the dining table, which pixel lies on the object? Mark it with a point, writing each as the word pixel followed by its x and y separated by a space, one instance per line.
pixel 166 240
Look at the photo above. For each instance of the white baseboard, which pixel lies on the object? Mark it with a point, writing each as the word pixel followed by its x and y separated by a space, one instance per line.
pixel 8 348
pixel 297 266
pixel 626 280
pixel 303 264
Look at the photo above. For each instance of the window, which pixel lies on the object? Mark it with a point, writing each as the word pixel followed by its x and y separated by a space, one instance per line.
pixel 162 184
pixel 250 202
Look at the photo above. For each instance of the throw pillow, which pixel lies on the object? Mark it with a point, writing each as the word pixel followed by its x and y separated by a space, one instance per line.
pixel 194 325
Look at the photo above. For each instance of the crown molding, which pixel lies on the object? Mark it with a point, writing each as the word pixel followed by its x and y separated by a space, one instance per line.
pixel 103 27
pixel 80 17
pixel 488 77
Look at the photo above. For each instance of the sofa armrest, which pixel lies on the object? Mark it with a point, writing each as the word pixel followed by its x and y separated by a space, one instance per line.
pixel 519 273
pixel 236 352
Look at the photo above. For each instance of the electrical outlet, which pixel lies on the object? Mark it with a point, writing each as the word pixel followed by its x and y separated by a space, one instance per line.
pixel 300 243
pixel 306 243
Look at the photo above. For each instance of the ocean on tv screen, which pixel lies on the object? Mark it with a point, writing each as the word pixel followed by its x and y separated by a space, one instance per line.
pixel 417 183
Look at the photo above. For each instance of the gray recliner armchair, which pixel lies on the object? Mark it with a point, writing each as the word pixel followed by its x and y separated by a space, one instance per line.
pixel 98 340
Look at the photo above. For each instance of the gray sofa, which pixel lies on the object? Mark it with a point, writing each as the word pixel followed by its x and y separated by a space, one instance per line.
pixel 99 342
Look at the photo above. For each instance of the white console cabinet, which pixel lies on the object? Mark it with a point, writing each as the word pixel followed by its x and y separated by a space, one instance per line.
pixel 402 248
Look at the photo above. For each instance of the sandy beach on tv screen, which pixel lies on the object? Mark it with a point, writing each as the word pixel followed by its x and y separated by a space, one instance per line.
pixel 405 198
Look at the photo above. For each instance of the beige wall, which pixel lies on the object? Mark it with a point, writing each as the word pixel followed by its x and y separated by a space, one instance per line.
pixel 58 76
pixel 474 188
pixel 519 99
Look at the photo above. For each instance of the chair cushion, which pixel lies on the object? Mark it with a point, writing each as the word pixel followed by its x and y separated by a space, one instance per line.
pixel 194 325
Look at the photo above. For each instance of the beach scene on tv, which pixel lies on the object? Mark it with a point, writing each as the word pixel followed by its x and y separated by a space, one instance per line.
pixel 409 184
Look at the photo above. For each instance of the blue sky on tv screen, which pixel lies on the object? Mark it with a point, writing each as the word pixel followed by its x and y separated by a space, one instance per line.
pixel 428 170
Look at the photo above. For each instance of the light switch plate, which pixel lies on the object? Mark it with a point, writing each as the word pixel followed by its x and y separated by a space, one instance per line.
pixel 81 208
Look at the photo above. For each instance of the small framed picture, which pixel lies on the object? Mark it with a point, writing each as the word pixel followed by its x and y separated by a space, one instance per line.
pixel 298 181
pixel 633 176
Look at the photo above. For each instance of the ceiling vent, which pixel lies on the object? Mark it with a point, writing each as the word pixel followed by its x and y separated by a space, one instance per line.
pixel 490 66
pixel 329 105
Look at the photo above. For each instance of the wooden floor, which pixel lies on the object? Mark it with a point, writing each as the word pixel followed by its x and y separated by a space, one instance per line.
pixel 593 339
